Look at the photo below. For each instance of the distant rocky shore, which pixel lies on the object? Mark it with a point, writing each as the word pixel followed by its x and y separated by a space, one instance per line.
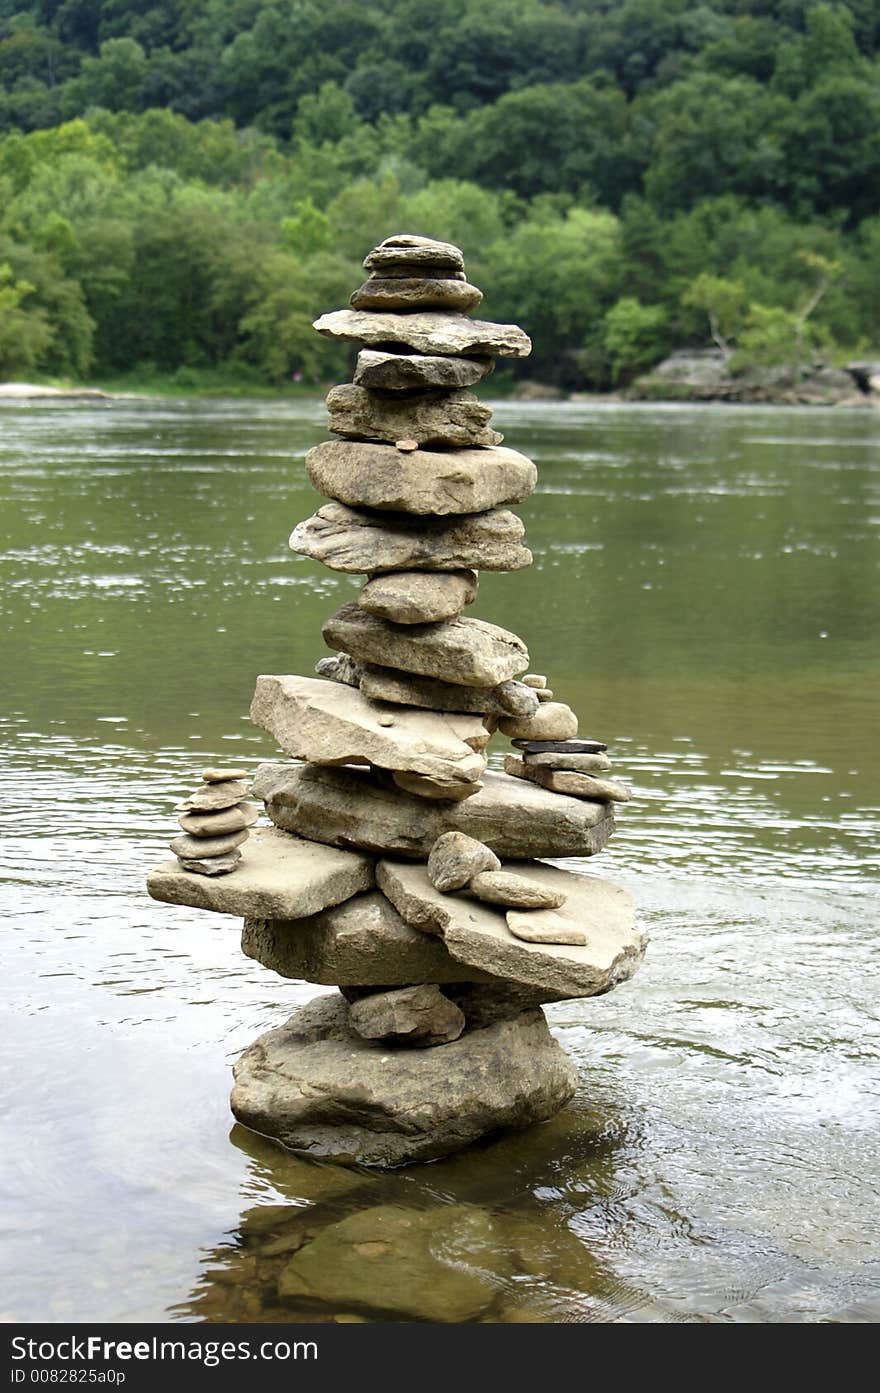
pixel 704 375
pixel 32 391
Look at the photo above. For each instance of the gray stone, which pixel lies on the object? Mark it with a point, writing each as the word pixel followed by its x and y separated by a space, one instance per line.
pixel 214 796
pixel 415 293
pixel 408 689
pixel 515 891
pixel 203 848
pixel 222 776
pixel 233 819
pixel 561 747
pixel 581 764
pixel 444 789
pixel 351 807
pixel 479 937
pixel 455 859
pixel 362 942
pixel 515 699
pixel 553 720
pixel 363 474
pixel 217 865
pixel 415 250
pixel 544 927
pixel 402 372
pixel 362 543
pixel 535 679
pixel 339 668
pixel 419 597
pixel 280 877
pixel 403 1264
pixel 329 723
pixel 466 651
pixel 421 1016
pixel 430 418
pixel 569 782
pixel 427 332
pixel 322 1091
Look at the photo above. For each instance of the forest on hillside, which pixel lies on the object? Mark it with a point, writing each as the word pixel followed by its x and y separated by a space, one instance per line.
pixel 184 187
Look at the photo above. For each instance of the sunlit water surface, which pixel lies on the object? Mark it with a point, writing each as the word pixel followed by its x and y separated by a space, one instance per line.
pixel 705 593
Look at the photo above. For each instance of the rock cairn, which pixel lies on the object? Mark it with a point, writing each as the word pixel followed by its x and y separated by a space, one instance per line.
pixel 398 866
pixel 215 821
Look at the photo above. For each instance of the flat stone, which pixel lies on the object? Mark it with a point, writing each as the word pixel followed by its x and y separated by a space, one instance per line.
pixel 366 475
pixel 401 1264
pixel 361 543
pixel 455 418
pixel 535 679
pixel 419 597
pixel 561 747
pixel 478 935
pixel 203 848
pixel 329 723
pixel 553 720
pixel 322 1091
pixel 222 776
pixel 581 764
pixel 515 891
pixel 233 819
pixel 280 877
pixel 415 250
pixel 351 807
pixel 340 668
pixel 544 694
pixel 362 941
pixel 466 651
pixel 544 927
pixel 214 796
pixel 566 781
pixel 409 689
pixel 421 1016
pixel 415 293
pixel 444 789
pixel 455 859
pixel 429 331
pixel 216 865
pixel 401 372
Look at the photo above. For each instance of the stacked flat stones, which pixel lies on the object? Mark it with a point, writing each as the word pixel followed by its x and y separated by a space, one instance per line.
pixel 399 867
pixel 215 821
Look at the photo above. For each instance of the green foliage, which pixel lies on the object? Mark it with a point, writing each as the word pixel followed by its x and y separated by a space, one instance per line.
pixel 634 337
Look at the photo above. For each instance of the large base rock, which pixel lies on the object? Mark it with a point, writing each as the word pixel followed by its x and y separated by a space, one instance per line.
pixel 320 1090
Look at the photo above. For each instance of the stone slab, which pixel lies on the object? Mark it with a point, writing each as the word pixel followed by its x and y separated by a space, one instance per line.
pixel 413 250
pixel 359 543
pixel 466 651
pixel 429 331
pixel 478 935
pixel 363 474
pixel 279 877
pixel 405 372
pixel 407 293
pixel 419 597
pixel 568 781
pixel 456 418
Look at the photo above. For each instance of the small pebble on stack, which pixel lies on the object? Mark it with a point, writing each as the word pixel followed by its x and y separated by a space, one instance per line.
pixel 215 821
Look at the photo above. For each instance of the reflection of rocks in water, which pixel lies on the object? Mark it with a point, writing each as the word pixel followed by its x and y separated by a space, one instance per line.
pixel 482 1236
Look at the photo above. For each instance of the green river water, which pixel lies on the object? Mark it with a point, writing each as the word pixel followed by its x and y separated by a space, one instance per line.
pixel 705 594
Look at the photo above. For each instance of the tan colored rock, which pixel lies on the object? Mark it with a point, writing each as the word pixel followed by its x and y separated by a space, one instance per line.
pixel 415 250
pixel 363 474
pixel 328 723
pixel 420 1016
pixel 409 689
pixel 222 776
pixel 430 418
pixel 553 720
pixel 362 941
pixel 214 796
pixel 362 543
pixel 322 1091
pixel 279 877
pixel 544 927
pixel 535 679
pixel 203 848
pixel 405 293
pixel 515 891
pixel 444 789
pixel 427 332
pixel 217 824
pixel 455 859
pixel 466 651
pixel 544 694
pixel 419 597
pixel 215 865
pixel 404 372
pixel 575 785
pixel 580 764
pixel 478 936
pixel 353 808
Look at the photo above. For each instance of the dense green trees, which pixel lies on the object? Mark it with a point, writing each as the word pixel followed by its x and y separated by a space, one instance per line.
pixel 186 185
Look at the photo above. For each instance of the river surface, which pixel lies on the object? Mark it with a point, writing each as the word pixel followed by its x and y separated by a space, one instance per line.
pixel 705 593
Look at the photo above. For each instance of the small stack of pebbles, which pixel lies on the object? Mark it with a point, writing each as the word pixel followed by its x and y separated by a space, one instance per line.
pixel 215 820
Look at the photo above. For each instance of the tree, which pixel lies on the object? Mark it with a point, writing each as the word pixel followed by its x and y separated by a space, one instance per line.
pixel 633 337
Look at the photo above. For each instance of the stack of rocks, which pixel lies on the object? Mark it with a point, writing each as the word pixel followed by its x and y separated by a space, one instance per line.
pixel 399 867
pixel 215 821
